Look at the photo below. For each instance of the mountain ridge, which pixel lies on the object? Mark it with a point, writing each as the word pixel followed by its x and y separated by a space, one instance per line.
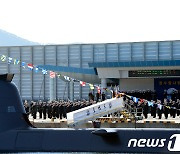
pixel 9 39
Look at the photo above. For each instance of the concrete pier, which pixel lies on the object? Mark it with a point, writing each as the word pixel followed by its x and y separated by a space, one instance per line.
pixel 107 123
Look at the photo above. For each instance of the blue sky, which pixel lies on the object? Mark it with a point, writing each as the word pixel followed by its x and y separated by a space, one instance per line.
pixel 91 21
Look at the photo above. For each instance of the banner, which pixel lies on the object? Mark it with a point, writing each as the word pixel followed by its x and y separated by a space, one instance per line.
pixel 52 74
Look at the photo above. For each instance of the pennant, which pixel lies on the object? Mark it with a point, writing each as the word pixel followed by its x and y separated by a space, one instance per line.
pixel 3 58
pixel 36 69
pixel 99 90
pixel 160 106
pixel 16 61
pixel 105 89
pixel 44 71
pixel 52 74
pixel 67 78
pixel 23 64
pixel 9 60
pixel 130 97
pixel 115 89
pixel 58 75
pixel 141 100
pixel 61 77
pixel 83 84
pixel 74 80
pixel 150 103
pixel 168 107
pixel 91 86
pixel 135 99
pixel 30 66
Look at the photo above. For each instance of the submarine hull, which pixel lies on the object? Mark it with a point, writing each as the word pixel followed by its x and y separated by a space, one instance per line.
pixel 91 140
pixel 18 135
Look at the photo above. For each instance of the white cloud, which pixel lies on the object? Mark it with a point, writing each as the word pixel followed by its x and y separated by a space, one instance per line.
pixel 91 21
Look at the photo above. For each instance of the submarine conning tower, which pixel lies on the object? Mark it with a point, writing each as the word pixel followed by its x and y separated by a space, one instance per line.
pixel 12 112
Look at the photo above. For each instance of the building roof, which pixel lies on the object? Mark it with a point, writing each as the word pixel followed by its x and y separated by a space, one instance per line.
pixel 136 64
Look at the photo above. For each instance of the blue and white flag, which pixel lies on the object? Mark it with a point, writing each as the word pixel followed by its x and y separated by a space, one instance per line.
pixel 36 69
pixel 135 99
pixel 160 106
pixel 150 103
pixel 9 60
pixel 44 71
pixel 23 64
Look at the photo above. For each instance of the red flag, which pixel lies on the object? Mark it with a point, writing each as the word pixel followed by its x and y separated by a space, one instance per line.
pixel 83 84
pixel 52 74
pixel 30 66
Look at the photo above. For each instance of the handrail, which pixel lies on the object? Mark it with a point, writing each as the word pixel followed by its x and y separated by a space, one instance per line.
pixel 134 111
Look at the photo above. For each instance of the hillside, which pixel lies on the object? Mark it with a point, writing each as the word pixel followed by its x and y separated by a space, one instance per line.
pixel 9 39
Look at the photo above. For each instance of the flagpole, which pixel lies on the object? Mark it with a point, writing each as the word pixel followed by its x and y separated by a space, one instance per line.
pixel 64 90
pixel 41 88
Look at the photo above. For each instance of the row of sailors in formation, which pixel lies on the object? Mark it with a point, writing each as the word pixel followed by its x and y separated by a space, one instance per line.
pixel 59 109
pixel 54 109
pixel 155 107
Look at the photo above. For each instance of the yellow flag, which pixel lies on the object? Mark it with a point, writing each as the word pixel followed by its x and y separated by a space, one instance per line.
pixel 91 86
pixel 3 58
